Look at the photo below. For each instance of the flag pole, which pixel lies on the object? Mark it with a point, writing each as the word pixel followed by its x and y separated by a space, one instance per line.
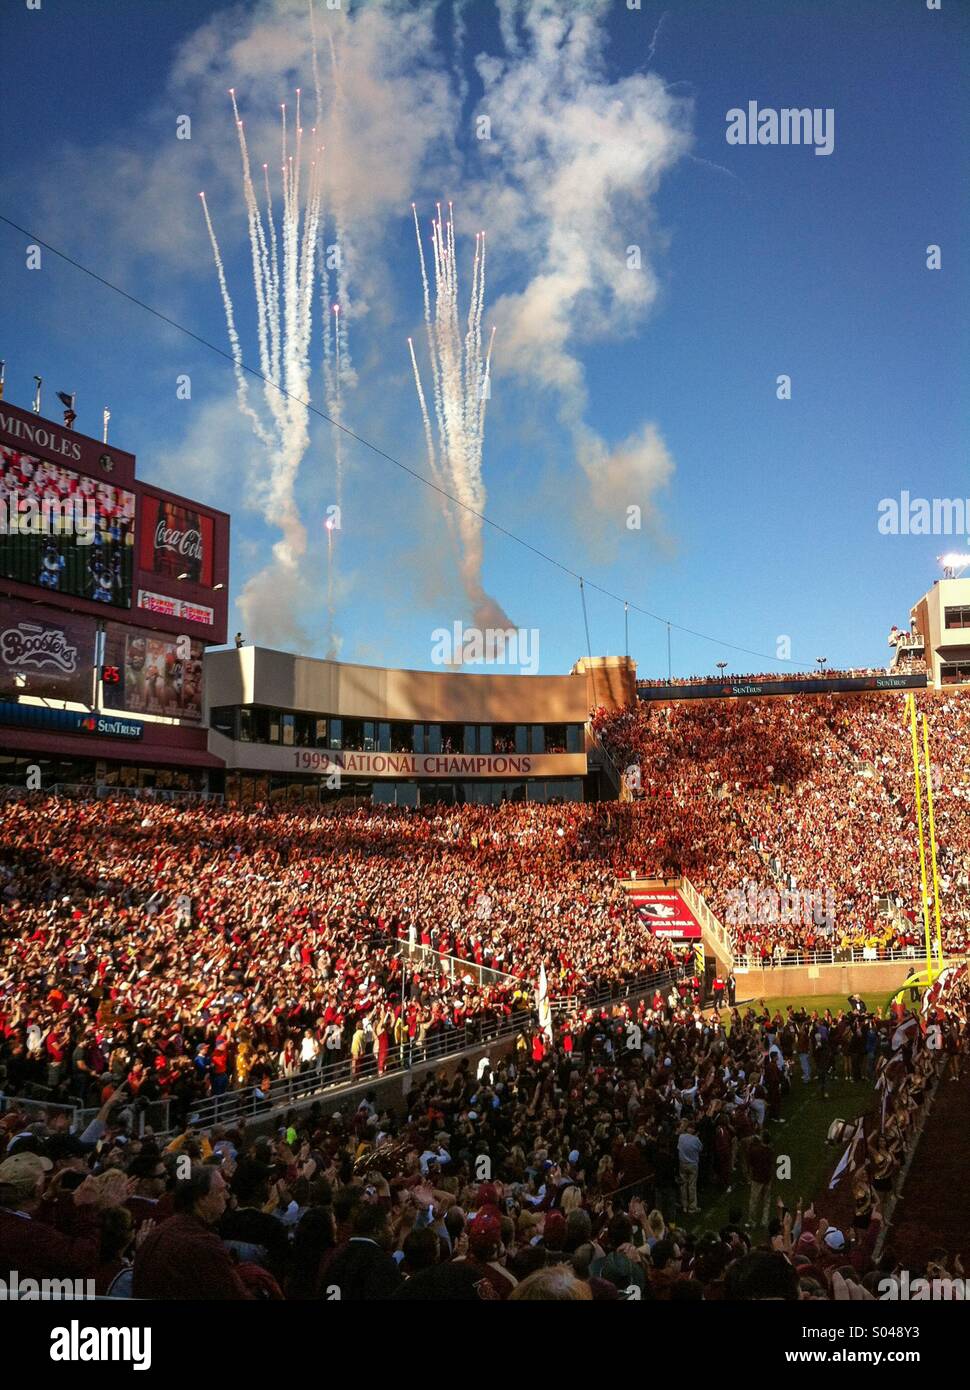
pixel 932 821
pixel 922 845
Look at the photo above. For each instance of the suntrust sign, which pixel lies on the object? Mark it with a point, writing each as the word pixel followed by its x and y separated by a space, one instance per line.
pixel 737 689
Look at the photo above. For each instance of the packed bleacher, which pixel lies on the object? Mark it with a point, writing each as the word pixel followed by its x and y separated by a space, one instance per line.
pixel 183 952
pixel 825 673
pixel 574 1169
pixel 195 949
pixel 809 794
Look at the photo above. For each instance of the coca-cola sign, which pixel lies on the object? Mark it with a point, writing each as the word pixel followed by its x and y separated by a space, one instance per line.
pixel 176 540
pixel 45 653
pixel 187 543
pixel 29 644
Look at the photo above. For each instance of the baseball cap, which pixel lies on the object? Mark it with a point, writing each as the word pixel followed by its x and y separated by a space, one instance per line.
pixel 834 1239
pixel 485 1231
pixel 61 1146
pixel 27 1143
pixel 24 1168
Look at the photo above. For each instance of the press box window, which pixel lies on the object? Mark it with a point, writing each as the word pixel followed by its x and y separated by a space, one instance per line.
pixel 223 720
pixel 958 617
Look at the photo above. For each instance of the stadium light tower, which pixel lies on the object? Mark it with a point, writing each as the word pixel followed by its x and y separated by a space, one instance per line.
pixel 821 660
pixel 720 666
pixel 953 564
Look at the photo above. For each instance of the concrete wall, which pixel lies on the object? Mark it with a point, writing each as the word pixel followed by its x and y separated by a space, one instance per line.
pixel 611 681
pixel 874 980
pixel 280 680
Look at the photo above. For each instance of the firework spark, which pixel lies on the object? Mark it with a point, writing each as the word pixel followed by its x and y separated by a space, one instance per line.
pixel 287 251
pixel 460 384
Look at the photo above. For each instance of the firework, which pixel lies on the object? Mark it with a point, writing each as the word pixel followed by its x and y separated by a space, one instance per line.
pixel 287 251
pixel 460 382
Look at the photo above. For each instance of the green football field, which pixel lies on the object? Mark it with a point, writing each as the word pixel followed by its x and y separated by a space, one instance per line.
pixel 802 1138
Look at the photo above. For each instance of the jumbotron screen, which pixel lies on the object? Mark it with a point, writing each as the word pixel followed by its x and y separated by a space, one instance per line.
pixel 64 531
pixel 151 676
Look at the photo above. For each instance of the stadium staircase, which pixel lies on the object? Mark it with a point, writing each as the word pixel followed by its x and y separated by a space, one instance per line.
pixel 599 759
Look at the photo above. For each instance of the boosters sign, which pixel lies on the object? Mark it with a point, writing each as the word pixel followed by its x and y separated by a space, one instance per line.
pixel 154 678
pixel 44 652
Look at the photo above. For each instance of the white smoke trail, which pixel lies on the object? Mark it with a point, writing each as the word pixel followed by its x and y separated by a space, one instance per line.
pixel 284 275
pixel 242 385
pixel 459 382
pixel 337 365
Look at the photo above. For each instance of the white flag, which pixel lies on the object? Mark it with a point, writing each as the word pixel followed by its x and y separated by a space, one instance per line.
pixel 542 1003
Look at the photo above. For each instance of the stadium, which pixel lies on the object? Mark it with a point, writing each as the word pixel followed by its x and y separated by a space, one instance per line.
pixel 340 966
pixel 311 879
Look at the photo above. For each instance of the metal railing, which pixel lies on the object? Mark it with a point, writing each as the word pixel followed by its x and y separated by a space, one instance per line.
pixel 451 967
pixel 250 1102
pixel 616 993
pixel 709 923
pixel 613 774
pixel 848 955
pixel 87 791
pixel 142 1114
pixel 41 1111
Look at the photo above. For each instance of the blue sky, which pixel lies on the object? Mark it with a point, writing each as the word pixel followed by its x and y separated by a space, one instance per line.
pixel 760 514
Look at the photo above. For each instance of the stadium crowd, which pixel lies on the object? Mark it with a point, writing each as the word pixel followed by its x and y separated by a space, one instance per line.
pixel 179 951
pixel 811 795
pixel 570 1169
pixel 191 950
pixel 732 677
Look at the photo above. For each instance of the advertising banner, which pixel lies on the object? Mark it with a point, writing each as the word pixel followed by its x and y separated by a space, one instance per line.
pixel 64 531
pixel 154 677
pixel 45 652
pixel 175 608
pixel 22 429
pixel 666 913
pixel 175 540
pixel 720 690
pixel 266 757
pixel 68 721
